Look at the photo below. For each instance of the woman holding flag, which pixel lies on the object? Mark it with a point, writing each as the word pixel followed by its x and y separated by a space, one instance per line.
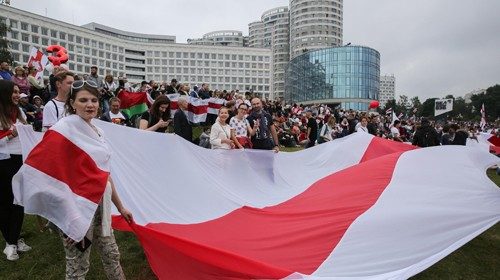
pixel 73 188
pixel 11 215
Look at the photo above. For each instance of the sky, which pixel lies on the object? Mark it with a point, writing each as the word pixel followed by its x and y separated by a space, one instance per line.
pixel 433 47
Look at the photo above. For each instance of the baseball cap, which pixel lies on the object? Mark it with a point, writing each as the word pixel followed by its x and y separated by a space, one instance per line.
pixel 23 95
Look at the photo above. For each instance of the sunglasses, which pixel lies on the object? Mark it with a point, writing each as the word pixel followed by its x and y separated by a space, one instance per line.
pixel 80 83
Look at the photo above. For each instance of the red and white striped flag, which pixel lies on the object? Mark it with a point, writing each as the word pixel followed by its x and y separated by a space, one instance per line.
pixel 64 177
pixel 483 117
pixel 198 108
pixel 388 111
pixel 359 207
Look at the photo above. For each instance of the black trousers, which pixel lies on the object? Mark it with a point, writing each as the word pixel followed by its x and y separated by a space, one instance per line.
pixel 11 216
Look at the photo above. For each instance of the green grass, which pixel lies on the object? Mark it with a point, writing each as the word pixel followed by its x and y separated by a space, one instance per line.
pixel 478 259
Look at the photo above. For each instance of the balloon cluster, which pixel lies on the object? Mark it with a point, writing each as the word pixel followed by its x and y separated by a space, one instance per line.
pixel 374 104
pixel 60 54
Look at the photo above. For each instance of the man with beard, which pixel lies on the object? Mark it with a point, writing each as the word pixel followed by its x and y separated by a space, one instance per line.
pixel 263 123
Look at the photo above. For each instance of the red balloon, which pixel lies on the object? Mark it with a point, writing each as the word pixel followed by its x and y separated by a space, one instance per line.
pixel 60 54
pixel 374 104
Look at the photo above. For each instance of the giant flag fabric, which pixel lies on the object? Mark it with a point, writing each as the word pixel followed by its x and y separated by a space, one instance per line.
pixel 359 207
pixel 64 176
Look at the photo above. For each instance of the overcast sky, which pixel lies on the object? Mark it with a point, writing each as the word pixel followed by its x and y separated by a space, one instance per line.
pixel 433 47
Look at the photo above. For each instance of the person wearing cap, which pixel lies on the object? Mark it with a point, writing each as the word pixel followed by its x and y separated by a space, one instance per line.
pixel 38 103
pixel 28 109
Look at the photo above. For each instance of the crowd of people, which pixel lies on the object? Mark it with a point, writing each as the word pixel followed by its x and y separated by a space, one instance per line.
pixel 245 121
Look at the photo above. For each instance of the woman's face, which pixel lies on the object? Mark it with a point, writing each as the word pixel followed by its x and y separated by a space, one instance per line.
pixel 163 108
pixel 223 114
pixel 364 122
pixel 38 101
pixel 19 73
pixel 16 95
pixel 86 105
pixel 242 110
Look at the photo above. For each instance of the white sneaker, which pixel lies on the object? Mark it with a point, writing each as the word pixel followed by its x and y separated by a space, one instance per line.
pixel 21 246
pixel 11 252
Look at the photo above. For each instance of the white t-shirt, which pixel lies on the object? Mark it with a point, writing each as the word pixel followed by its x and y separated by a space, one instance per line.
pixel 362 129
pixel 394 132
pixel 51 115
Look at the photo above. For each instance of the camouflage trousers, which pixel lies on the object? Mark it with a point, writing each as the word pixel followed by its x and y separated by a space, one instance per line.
pixel 78 263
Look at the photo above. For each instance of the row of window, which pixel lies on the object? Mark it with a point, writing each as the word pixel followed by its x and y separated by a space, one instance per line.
pixel 213 56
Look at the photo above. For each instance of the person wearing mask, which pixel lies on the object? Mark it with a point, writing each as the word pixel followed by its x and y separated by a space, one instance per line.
pixel 158 117
pixel 115 115
pixel 266 137
pixel 11 215
pixel 182 126
pixel 54 109
pixel 220 133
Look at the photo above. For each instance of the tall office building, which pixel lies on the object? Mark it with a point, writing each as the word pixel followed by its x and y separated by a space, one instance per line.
pixel 273 32
pixel 315 25
pixel 139 56
pixel 387 90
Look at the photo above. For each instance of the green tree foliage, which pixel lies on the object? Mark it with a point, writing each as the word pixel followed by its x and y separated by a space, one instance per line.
pixel 428 108
pixel 5 54
pixel 491 101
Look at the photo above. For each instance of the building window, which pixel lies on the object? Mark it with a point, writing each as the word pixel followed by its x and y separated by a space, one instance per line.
pixel 53 33
pixel 45 31
pixel 71 37
pixel 62 35
pixel 14 46
pixel 14 34
pixel 45 41
pixel 13 24
pixel 25 37
pixel 24 26
pixel 34 29
pixel 34 39
pixel 78 41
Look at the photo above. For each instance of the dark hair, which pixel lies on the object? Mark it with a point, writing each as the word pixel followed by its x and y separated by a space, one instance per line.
pixel 74 92
pixel 8 109
pixel 155 108
pixel 114 99
pixel 242 103
pixel 397 122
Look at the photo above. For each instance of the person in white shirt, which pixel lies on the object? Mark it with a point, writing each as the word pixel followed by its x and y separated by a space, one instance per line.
pixel 327 130
pixel 220 134
pixel 396 136
pixel 242 128
pixel 54 109
pixel 11 215
pixel 362 126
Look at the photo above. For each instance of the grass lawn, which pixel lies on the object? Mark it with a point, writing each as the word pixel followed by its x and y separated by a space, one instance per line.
pixel 478 259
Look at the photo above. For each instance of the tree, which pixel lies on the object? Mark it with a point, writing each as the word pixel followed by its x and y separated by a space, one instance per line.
pixel 403 104
pixel 416 104
pixel 491 101
pixel 390 104
pixel 5 54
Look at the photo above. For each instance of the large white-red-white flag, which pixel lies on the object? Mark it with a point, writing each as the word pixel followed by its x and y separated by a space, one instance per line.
pixel 483 117
pixel 64 176
pixel 359 207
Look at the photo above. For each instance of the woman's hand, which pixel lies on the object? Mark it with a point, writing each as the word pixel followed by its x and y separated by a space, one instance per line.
pixel 127 215
pixel 162 124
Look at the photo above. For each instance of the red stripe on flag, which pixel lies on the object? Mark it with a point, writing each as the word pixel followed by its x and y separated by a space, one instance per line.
pixel 129 99
pixel 380 147
pixel 214 105
pixel 198 110
pixel 60 159
pixel 270 243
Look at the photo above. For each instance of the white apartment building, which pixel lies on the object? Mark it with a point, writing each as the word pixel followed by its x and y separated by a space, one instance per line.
pixel 139 56
pixel 230 38
pixel 315 25
pixel 387 89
